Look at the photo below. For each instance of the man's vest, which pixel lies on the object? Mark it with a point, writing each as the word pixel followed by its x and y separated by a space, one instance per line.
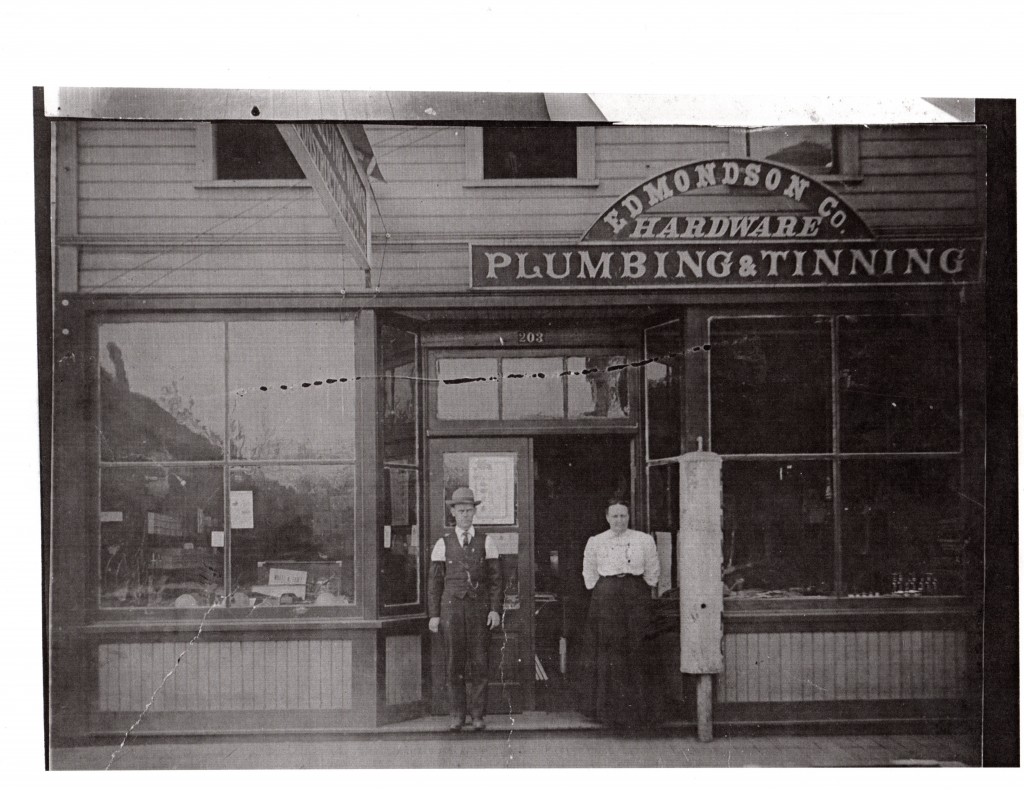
pixel 465 573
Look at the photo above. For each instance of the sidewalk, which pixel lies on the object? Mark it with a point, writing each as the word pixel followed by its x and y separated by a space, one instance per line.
pixel 534 741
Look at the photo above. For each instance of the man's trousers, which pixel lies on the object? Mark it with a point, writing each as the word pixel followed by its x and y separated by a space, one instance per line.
pixel 465 634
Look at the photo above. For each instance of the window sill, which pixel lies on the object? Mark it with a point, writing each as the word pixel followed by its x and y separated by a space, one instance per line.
pixel 248 183
pixel 839 178
pixel 559 182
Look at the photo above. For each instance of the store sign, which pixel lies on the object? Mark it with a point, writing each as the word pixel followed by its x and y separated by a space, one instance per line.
pixel 328 161
pixel 681 229
pixel 666 207
pixel 710 265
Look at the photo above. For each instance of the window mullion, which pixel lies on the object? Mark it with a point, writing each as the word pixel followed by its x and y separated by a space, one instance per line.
pixel 227 467
pixel 837 511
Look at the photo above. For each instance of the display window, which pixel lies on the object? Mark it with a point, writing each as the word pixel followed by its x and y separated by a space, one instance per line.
pixel 842 454
pixel 227 463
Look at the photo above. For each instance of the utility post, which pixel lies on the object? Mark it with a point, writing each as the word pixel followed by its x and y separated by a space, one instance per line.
pixel 700 577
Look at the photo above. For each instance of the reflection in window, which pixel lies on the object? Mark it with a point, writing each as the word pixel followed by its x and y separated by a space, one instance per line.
pixel 163 527
pixel 663 380
pixel 771 385
pixel 777 528
pixel 898 383
pixel 599 387
pixel 807 148
pixel 161 531
pixel 293 535
pixel 161 391
pixel 399 564
pixel 467 388
pixel 531 388
pixel 305 411
pixel 902 528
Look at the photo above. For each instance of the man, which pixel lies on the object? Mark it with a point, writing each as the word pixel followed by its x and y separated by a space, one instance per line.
pixel 464 600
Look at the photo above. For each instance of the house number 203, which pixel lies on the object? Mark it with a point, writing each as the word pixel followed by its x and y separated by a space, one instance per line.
pixel 531 337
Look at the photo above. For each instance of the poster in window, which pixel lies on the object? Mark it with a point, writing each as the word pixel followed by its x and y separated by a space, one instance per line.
pixel 493 479
pixel 241 510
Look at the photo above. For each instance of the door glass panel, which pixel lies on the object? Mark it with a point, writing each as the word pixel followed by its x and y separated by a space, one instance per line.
pixel 492 477
pixel 598 387
pixel 531 388
pixel 467 388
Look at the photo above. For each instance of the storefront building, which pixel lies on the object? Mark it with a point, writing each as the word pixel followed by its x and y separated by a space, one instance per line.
pixel 259 409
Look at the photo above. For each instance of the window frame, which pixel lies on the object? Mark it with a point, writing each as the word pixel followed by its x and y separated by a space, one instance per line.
pixel 206 166
pixel 517 426
pixel 836 456
pixel 363 506
pixel 845 151
pixel 585 163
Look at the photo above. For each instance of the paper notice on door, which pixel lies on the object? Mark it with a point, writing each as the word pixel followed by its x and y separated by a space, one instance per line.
pixel 507 543
pixel 493 480
pixel 241 510
pixel 217 538
pixel 664 542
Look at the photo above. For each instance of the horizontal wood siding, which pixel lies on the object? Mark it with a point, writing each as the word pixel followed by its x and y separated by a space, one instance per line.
pixel 403 669
pixel 813 666
pixel 137 183
pixel 919 177
pixel 225 676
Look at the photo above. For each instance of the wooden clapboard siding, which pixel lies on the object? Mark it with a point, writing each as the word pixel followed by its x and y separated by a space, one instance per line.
pixel 225 676
pixel 403 669
pixel 137 182
pixel 918 177
pixel 824 666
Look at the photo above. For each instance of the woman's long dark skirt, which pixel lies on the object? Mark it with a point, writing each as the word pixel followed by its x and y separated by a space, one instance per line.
pixel 615 681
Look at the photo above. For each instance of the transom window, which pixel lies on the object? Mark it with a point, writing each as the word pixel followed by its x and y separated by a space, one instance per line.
pixel 584 385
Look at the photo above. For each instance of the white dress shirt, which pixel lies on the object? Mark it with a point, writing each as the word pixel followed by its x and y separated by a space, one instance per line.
pixel 490 548
pixel 608 555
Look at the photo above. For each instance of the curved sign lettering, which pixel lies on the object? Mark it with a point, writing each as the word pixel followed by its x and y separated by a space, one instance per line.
pixel 690 203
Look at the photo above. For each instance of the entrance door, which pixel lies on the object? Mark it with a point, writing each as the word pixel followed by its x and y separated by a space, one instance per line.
pixel 575 475
pixel 499 471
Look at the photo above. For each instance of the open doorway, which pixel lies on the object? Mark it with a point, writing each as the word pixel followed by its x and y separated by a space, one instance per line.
pixel 574 476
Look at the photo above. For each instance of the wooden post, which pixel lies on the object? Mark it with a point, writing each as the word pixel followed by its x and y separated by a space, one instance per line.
pixel 700 577
pixel 704 708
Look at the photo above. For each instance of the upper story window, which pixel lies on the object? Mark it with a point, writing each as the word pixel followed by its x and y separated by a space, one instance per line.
pixel 553 155
pixel 818 150
pixel 246 151
pixel 529 152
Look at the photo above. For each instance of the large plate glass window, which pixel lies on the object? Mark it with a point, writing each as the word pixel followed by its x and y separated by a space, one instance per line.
pixel 227 458
pixel 841 446
pixel 401 539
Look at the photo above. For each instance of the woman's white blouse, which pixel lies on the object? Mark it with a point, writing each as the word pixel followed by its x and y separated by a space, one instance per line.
pixel 607 555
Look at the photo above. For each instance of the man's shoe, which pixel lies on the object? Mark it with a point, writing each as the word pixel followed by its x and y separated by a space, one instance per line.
pixel 478 724
pixel 456 723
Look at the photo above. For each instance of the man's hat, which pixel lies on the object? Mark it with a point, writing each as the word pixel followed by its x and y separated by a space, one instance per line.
pixel 463 496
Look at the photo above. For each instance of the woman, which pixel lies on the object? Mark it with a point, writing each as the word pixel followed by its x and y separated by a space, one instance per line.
pixel 621 567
